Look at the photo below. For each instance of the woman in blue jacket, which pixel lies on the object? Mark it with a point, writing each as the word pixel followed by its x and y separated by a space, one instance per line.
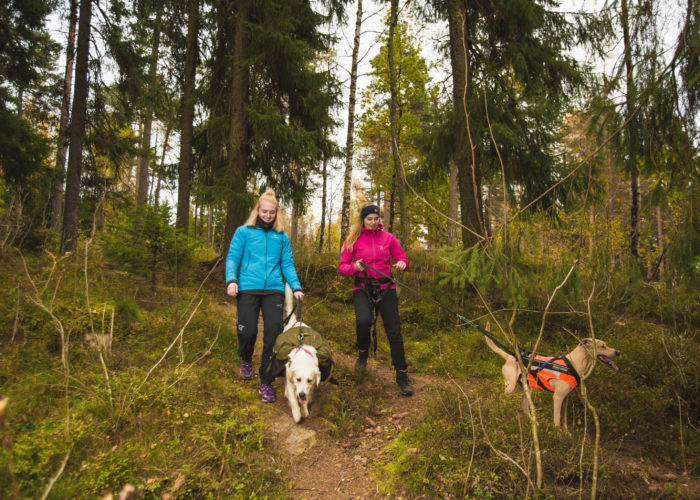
pixel 258 258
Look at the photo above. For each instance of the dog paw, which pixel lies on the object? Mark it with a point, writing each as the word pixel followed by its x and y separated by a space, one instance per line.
pixel 304 411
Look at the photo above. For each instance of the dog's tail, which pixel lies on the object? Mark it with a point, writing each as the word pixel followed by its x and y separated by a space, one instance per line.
pixel 494 347
pixel 289 303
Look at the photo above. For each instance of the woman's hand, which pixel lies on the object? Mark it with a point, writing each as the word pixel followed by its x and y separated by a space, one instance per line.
pixel 358 266
pixel 232 289
pixel 400 265
pixel 299 295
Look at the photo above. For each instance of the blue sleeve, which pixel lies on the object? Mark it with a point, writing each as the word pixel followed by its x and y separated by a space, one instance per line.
pixel 287 264
pixel 235 253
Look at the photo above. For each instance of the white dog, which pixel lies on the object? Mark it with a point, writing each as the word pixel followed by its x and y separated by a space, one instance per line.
pixel 302 372
pixel 303 376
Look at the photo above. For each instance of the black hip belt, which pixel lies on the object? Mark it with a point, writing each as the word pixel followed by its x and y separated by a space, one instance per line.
pixel 371 282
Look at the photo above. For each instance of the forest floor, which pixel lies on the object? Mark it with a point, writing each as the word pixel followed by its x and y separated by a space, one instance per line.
pixel 323 461
pixel 196 429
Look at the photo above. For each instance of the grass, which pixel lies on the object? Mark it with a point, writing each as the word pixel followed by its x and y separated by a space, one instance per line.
pixel 191 429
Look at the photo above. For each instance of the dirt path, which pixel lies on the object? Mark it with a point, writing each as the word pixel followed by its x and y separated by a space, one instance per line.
pixel 346 462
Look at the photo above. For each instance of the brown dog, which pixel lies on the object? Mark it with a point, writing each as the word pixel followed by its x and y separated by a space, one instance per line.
pixel 561 386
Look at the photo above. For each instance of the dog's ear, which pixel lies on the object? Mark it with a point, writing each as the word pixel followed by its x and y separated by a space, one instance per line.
pixel 317 377
pixel 587 341
pixel 290 374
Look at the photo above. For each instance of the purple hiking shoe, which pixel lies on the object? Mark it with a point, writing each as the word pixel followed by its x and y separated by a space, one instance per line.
pixel 266 393
pixel 246 370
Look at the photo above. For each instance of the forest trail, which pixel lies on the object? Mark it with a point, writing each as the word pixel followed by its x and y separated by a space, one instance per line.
pixel 324 464
pixel 320 460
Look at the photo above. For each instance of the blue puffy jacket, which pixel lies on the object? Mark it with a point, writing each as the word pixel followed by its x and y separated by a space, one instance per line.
pixel 263 256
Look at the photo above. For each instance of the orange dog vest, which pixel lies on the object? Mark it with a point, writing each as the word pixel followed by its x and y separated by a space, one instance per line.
pixel 548 368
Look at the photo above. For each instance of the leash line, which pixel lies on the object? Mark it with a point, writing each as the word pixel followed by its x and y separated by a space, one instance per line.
pixel 525 354
pixel 461 318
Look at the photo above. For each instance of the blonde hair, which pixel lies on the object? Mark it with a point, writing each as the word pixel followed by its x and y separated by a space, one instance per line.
pixel 356 228
pixel 268 195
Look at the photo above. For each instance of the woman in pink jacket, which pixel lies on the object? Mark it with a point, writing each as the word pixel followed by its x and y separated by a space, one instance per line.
pixel 368 243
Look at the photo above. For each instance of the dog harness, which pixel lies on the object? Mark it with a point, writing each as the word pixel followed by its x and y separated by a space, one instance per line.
pixel 548 368
pixel 289 342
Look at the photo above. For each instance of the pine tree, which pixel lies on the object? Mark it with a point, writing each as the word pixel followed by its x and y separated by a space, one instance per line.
pixel 57 194
pixel 69 240
pixel 187 119
pixel 350 138
pixel 508 57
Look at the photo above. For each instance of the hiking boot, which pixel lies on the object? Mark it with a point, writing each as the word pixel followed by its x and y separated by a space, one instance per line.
pixel 267 394
pixel 246 370
pixel 361 363
pixel 404 384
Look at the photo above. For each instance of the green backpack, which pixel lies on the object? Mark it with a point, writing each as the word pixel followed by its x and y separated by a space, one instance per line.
pixel 289 340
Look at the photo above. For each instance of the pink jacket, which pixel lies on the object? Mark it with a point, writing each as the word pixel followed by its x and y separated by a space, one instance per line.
pixel 376 248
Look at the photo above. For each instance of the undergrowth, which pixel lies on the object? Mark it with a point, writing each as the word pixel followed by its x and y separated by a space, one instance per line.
pixel 187 426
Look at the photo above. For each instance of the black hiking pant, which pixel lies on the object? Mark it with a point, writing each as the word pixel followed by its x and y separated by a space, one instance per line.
pixel 388 308
pixel 249 306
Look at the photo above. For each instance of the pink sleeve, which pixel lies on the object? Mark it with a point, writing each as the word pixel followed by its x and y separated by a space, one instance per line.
pixel 345 264
pixel 397 252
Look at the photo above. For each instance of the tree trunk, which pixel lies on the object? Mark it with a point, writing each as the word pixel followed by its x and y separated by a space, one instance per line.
pixel 156 193
pixel 392 203
pixel 210 221
pixel 323 204
pixel 294 230
pixel 393 105
pixel 186 156
pixel 350 140
pixel 238 135
pixel 60 174
pixel 452 208
pixel 469 174
pixel 632 131
pixel 196 219
pixel 69 239
pixel 142 172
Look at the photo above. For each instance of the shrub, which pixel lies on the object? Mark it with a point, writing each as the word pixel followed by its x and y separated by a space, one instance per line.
pixel 144 241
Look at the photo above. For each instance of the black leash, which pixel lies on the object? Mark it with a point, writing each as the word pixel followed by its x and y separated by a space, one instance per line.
pixel 461 318
pixel 525 354
pixel 286 320
pixel 301 332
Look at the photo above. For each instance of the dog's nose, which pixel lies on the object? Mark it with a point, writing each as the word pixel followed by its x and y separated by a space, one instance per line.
pixel 617 353
pixel 302 394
